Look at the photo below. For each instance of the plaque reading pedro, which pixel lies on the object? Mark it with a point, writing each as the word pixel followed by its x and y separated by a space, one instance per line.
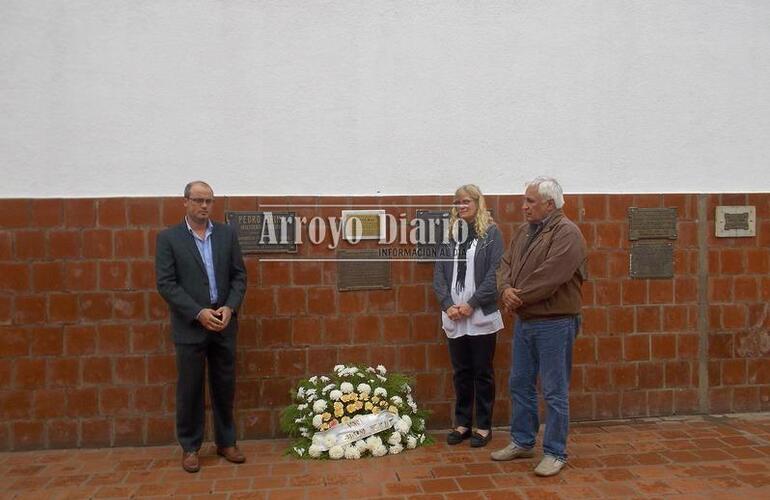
pixel 263 232
pixel 431 226
pixel 362 270
pixel 651 223
pixel 652 259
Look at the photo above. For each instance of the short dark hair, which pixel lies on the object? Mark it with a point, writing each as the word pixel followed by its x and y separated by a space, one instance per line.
pixel 189 186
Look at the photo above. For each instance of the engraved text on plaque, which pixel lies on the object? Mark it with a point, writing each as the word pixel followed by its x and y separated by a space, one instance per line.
pixel 652 259
pixel 260 232
pixel 362 270
pixel 431 225
pixel 651 223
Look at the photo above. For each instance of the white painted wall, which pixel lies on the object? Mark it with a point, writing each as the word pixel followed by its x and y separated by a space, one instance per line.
pixel 135 97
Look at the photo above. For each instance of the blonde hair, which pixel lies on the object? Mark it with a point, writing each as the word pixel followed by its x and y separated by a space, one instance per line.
pixel 483 219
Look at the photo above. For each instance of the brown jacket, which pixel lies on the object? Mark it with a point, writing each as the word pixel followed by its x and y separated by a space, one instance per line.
pixel 549 272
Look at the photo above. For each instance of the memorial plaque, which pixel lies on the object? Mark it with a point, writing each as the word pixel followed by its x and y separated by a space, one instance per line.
pixel 363 224
pixel 651 223
pixel 264 232
pixel 431 227
pixel 736 221
pixel 362 270
pixel 652 259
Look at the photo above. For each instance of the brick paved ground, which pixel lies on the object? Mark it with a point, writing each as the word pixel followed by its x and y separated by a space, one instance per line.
pixel 692 457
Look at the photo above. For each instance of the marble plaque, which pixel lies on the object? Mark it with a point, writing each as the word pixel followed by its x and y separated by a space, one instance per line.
pixel 363 224
pixel 736 221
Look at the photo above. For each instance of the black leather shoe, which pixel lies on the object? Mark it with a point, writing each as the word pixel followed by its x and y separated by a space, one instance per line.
pixel 479 441
pixel 457 437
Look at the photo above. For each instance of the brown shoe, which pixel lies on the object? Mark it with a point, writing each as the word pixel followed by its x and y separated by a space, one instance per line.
pixel 190 461
pixel 231 454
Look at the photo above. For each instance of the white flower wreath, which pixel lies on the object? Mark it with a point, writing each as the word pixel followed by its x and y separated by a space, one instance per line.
pixel 333 418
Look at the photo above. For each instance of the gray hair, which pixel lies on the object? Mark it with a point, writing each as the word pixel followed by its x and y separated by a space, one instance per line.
pixel 549 189
pixel 189 186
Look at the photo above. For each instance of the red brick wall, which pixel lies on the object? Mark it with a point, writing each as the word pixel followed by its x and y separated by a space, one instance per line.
pixel 86 358
pixel 738 322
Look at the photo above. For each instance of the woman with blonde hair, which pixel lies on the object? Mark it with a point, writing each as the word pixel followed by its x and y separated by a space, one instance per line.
pixel 465 285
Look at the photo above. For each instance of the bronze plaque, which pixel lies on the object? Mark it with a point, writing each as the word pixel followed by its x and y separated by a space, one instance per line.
pixel 739 221
pixel 652 259
pixel 651 223
pixel 262 232
pixel 362 270
pixel 432 226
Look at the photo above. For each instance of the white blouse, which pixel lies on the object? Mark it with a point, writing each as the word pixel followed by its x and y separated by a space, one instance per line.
pixel 477 323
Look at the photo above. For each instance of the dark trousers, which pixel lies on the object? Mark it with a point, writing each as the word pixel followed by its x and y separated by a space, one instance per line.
pixel 218 352
pixel 474 378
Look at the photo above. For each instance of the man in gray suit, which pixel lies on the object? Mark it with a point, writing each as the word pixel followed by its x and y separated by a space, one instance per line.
pixel 201 275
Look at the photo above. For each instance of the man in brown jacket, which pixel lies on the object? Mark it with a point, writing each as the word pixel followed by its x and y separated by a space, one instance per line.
pixel 539 279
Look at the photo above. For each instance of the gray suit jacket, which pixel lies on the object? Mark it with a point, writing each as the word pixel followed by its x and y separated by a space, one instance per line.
pixel 489 249
pixel 183 283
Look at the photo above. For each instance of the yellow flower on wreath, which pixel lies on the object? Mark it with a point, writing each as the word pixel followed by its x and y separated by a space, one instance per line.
pixel 376 410
pixel 393 409
pixel 375 399
pixel 368 406
pixel 338 412
pixel 351 408
pixel 345 420
pixel 326 416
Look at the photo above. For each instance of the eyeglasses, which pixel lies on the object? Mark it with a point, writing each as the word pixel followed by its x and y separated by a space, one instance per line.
pixel 466 201
pixel 202 201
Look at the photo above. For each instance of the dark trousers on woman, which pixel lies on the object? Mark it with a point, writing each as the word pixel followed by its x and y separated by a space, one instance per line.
pixel 474 378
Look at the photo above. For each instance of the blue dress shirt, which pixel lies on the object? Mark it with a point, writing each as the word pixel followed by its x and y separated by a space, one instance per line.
pixel 204 248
